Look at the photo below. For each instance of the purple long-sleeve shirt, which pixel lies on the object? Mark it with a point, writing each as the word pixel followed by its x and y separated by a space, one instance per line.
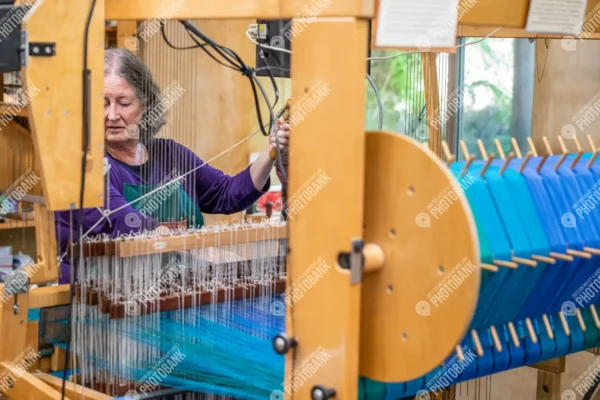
pixel 213 192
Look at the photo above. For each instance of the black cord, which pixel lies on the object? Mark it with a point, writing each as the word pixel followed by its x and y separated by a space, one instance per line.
pixel 86 97
pixel 236 62
pixel 261 54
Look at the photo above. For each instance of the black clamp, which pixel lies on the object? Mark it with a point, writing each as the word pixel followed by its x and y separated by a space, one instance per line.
pixel 282 343
pixel 354 261
pixel 42 49
pixel 322 393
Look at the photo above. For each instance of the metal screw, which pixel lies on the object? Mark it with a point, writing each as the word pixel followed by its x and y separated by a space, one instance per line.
pixel 36 49
pixel 48 50
pixel 10 383
pixel 16 308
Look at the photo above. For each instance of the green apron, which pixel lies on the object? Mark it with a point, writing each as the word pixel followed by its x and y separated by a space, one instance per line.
pixel 176 207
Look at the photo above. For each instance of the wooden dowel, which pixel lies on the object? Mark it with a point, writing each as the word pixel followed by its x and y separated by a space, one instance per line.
pixel 595 316
pixel 577 253
pixel 507 264
pixel 564 323
pixel 547 146
pixel 525 261
pixel 549 330
pixel 532 148
pixel 507 162
pixel 531 331
pixel 513 335
pixel 592 250
pixel 548 260
pixel 499 148
pixel 489 267
pixel 580 319
pixel 561 256
pixel 522 167
pixel 515 146
pixel 477 343
pixel 484 155
pixel 487 165
pixel 467 165
pixel 541 164
pixel 496 339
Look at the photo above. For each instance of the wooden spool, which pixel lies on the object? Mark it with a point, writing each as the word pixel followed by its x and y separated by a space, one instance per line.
pixel 402 178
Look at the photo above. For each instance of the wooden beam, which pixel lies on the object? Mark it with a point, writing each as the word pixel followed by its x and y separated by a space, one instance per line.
pixel 555 365
pixel 27 386
pixel 483 31
pixel 13 325
pixel 72 390
pixel 169 244
pixel 232 9
pixel 336 120
pixel 49 296
pixel 126 35
pixel 548 386
pixel 55 113
pixel 432 99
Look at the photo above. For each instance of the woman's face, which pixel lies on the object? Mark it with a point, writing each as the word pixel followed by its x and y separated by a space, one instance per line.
pixel 122 110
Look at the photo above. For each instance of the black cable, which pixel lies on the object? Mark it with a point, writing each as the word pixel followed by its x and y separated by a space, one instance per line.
pixel 271 77
pixel 235 60
pixel 86 97
pixel 271 120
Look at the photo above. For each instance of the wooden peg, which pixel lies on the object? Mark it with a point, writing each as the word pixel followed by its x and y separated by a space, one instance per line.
pixel 525 261
pixel 513 335
pixel 548 260
pixel 489 267
pixel 484 155
pixel 499 148
pixel 527 158
pixel 465 151
pixel 477 343
pixel 532 148
pixel 560 161
pixel 581 254
pixel 563 147
pixel 467 165
pixel 592 159
pixel 593 147
pixel 576 160
pixel 487 164
pixel 531 331
pixel 547 146
pixel 515 146
pixel 541 164
pixel 507 162
pixel 549 330
pixel 496 339
pixel 592 250
pixel 565 324
pixel 459 354
pixel 561 256
pixel 577 144
pixel 507 264
pixel 449 156
pixel 580 319
pixel 595 315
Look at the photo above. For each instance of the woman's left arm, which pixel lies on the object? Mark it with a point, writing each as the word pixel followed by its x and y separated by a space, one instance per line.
pixel 219 193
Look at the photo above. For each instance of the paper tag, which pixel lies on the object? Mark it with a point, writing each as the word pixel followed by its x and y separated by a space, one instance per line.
pixel 556 16
pixel 422 24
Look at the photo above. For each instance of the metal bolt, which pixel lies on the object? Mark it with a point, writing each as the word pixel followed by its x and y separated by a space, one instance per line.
pixel 36 49
pixel 279 344
pixel 48 50
pixel 16 308
pixel 10 383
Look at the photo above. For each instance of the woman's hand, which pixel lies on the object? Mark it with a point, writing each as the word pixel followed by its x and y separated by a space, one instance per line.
pixel 281 133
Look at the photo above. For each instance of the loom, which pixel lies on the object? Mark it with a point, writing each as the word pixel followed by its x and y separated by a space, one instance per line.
pixel 395 229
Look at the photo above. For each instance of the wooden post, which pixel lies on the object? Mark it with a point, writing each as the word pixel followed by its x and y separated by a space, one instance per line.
pixel 328 118
pixel 432 99
pixel 548 381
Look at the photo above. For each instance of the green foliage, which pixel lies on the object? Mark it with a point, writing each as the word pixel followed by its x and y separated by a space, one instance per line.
pixel 400 82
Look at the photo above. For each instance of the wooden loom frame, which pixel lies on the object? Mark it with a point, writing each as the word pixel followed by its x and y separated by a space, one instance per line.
pixel 328 316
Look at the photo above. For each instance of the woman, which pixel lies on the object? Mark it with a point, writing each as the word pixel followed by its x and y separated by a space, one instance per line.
pixel 140 166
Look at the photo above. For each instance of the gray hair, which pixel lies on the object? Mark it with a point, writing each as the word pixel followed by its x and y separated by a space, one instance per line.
pixel 129 67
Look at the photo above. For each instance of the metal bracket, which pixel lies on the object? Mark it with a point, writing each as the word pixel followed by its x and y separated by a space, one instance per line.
pixel 354 261
pixel 42 49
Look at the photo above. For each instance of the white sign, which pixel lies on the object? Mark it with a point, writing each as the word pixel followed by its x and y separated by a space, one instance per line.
pixel 556 16
pixel 422 24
